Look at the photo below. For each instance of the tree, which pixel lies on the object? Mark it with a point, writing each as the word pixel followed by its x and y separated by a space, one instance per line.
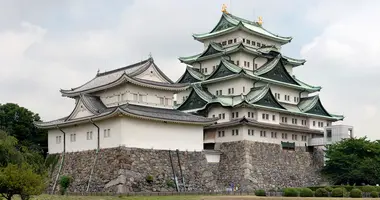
pixel 20 179
pixel 353 161
pixel 18 122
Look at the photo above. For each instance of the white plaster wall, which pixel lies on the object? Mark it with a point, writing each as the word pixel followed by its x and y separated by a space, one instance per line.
pixel 270 118
pixel 160 135
pixel 152 74
pixel 110 97
pixel 311 125
pixel 239 35
pixel 209 65
pixel 216 110
pixel 236 83
pixel 81 143
pixel 228 137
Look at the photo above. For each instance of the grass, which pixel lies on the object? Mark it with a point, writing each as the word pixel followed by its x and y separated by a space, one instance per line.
pixel 48 197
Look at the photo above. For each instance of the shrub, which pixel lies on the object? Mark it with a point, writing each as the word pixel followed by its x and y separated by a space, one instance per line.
pixel 329 189
pixel 260 193
pixel 349 187
pixel 290 192
pixel 170 184
pixel 377 188
pixel 356 193
pixel 368 188
pixel 64 182
pixel 321 192
pixel 337 192
pixel 374 194
pixel 306 192
pixel 149 178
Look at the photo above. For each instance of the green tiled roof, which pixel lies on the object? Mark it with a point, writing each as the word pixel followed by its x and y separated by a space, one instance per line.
pixel 229 22
pixel 218 51
pixel 259 97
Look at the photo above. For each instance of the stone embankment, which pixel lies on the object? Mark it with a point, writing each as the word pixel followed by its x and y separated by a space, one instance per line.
pixel 251 165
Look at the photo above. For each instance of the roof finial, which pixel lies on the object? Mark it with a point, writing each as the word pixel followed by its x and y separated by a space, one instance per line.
pixel 98 71
pixel 224 9
pixel 150 56
pixel 260 22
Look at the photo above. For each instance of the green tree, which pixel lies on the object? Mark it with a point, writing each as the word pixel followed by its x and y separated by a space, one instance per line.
pixel 18 122
pixel 353 161
pixel 20 179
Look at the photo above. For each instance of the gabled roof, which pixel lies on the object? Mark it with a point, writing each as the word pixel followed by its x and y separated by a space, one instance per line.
pixel 100 112
pixel 259 97
pixel 216 50
pixel 200 98
pixel 313 105
pixel 190 76
pixel 115 77
pixel 229 23
pixel 272 72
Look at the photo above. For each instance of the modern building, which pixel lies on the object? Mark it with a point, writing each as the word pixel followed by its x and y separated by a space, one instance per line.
pixel 242 78
pixel 131 106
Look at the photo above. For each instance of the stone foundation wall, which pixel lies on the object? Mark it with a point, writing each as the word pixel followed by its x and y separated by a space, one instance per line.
pixel 251 165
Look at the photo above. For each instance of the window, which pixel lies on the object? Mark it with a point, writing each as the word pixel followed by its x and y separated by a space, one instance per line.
pixel 263 134
pixel 249 114
pixel 253 43
pixel 205 70
pixel 248 41
pixel 229 90
pixel 251 132
pixel 217 92
pixel 223 116
pixel 294 137
pixel 233 115
pixel 296 99
pixel 294 121
pixel 235 40
pixel 263 116
pixel 303 137
pixel 284 119
pixel 328 133
pixel 243 39
pixel 73 137
pixel 224 43
pixel 220 116
pixel 220 133
pixel 58 139
pixel 134 97
pixel 220 92
pixel 89 135
pixel 235 131
pixel 213 116
pixel 321 124
pixel 161 100
pixel 313 123
pixel 107 133
pixel 277 95
pixel 243 89
pixel 284 136
pixel 248 64
pixel 303 122
pixel 255 66
pixel 229 41
pixel 237 114
pixel 237 63
pixel 258 44
pixel 233 90
pixel 273 134
pixel 274 117
pixel 245 63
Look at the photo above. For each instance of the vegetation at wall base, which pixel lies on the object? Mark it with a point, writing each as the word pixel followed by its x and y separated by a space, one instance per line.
pixel 321 192
pixel 356 193
pixel 306 192
pixel 260 193
pixel 337 192
pixel 374 194
pixel 290 192
pixel 64 182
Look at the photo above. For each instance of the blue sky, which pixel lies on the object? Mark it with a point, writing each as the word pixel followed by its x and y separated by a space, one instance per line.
pixel 46 45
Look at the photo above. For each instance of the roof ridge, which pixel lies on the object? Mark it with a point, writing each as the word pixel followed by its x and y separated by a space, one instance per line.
pixel 150 59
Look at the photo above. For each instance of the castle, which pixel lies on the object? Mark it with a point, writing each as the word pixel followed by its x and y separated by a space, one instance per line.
pixel 237 98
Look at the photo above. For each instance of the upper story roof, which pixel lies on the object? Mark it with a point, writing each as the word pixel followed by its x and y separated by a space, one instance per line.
pixel 262 97
pixel 99 112
pixel 229 23
pixel 215 50
pixel 273 72
pixel 129 73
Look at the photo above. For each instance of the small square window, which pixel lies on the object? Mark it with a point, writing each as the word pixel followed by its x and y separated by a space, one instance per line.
pixel 274 117
pixel 229 41
pixel 248 41
pixel 224 43
pixel 235 40
pixel 253 43
pixel 224 116
pixel 237 63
